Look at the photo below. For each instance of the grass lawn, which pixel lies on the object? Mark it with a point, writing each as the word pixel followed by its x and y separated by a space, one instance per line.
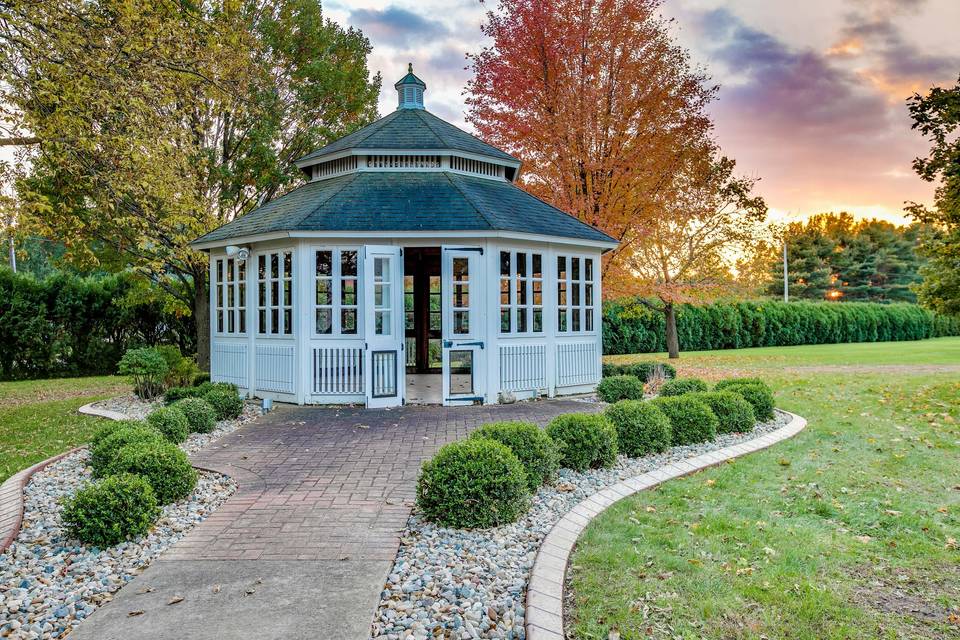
pixel 39 419
pixel 850 530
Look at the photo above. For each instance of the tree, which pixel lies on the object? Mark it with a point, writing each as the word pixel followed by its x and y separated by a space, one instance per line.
pixel 937 117
pixel 710 217
pixel 600 104
pixel 834 257
pixel 156 122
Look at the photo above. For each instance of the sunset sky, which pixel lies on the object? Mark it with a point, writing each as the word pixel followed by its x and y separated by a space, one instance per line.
pixel 812 97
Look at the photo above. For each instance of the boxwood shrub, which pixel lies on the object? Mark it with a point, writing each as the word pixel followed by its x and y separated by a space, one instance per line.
pixel 163 464
pixel 473 483
pixel 691 421
pixel 226 402
pixel 537 452
pixel 757 395
pixel 111 510
pixel 586 441
pixel 642 370
pixel 199 414
pixel 171 423
pixel 734 413
pixel 617 388
pixel 107 442
pixel 642 428
pixel 723 385
pixel 680 386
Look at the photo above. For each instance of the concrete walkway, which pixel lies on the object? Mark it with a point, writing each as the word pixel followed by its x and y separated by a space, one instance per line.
pixel 303 549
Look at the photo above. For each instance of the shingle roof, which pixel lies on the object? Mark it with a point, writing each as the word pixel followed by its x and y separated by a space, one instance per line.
pixel 408 201
pixel 411 129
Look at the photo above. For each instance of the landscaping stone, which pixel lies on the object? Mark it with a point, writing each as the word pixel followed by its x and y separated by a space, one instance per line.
pixel 464 584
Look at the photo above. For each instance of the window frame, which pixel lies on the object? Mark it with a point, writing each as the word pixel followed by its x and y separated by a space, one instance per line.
pixel 515 280
pixel 281 307
pixel 576 289
pixel 336 292
pixel 228 288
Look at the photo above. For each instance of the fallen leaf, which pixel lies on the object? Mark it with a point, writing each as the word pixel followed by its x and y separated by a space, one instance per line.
pixel 565 487
pixel 216 588
pixel 175 600
pixel 952 543
pixel 135 613
pixel 613 635
pixel 145 590
pixel 651 509
pixel 711 482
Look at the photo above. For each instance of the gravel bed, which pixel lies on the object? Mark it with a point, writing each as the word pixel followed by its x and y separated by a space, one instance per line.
pixel 135 408
pixel 456 583
pixel 49 583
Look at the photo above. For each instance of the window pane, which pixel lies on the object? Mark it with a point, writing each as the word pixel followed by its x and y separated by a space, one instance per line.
pixel 521 293
pixel 325 320
pixel 348 321
pixel 379 268
pixel 381 295
pixel 348 263
pixel 231 325
pixel 588 319
pixel 243 322
pixel 505 263
pixel 436 322
pixel 561 268
pixel 588 267
pixel 461 268
pixel 521 264
pixel 262 267
pixel 575 321
pixel 219 295
pixel 324 293
pixel 575 295
pixel 242 271
pixel 588 294
pixel 505 320
pixel 274 321
pixel 537 265
pixel 521 320
pixel 434 353
pixel 348 292
pixel 288 320
pixel 562 320
pixel 242 290
pixel 287 293
pixel 537 292
pixel 381 321
pixel 409 324
pixel 219 271
pixel 275 293
pixel 461 322
pixel 230 270
pixel 461 296
pixel 575 268
pixel 461 372
pixel 287 264
pixel 538 320
pixel 262 321
pixel 324 263
pixel 562 295
pixel 220 321
pixel 274 265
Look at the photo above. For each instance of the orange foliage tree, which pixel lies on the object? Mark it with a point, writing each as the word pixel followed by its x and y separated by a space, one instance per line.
pixel 601 105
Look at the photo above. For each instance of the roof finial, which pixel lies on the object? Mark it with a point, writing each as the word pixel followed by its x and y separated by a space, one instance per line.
pixel 409 67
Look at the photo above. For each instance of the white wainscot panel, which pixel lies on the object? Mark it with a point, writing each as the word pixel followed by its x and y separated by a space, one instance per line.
pixel 577 363
pixel 228 363
pixel 337 370
pixel 275 368
pixel 523 367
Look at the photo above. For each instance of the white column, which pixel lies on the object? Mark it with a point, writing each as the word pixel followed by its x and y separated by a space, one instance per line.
pixel 302 312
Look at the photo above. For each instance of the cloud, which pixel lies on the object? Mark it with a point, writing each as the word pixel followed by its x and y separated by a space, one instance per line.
pixel 396 26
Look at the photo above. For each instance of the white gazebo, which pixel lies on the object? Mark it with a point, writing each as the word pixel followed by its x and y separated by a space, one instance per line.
pixel 408 269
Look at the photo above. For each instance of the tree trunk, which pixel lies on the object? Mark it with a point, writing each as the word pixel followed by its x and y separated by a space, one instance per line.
pixel 673 344
pixel 201 318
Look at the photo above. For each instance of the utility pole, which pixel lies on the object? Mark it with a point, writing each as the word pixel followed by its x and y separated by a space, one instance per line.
pixel 786 279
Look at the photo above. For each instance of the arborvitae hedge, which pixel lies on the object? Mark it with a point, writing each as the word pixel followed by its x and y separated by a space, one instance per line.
pixel 66 325
pixel 630 327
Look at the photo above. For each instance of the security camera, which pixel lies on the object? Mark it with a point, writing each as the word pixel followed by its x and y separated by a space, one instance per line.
pixel 241 253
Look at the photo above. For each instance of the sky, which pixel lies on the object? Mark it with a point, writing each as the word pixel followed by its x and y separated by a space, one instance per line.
pixel 812 94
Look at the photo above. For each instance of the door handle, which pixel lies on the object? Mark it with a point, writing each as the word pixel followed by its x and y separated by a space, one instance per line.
pixel 447 344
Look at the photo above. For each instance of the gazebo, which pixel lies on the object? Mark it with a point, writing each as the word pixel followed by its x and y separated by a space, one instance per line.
pixel 409 268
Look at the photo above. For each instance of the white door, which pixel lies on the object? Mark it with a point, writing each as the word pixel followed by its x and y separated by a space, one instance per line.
pixel 462 326
pixel 383 325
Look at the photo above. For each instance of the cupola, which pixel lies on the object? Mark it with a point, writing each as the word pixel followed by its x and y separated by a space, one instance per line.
pixel 410 90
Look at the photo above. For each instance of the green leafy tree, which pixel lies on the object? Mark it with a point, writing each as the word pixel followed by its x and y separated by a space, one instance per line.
pixel 937 117
pixel 151 123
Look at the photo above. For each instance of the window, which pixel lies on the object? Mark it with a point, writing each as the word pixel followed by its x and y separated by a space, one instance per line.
pixel 275 293
pixel 521 292
pixel 575 295
pixel 230 285
pixel 382 307
pixel 337 292
pixel 461 296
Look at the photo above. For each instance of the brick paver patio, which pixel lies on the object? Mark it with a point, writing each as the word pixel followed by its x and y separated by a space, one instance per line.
pixel 324 493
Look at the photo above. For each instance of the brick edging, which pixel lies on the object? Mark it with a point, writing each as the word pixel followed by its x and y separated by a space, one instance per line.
pixel 544 604
pixel 11 499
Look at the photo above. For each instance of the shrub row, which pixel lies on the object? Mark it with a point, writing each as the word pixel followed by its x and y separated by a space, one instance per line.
pixel 630 327
pixel 140 466
pixel 66 325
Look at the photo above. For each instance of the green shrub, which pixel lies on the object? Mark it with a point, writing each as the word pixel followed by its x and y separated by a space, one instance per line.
pixel 734 413
pixel 107 442
pixel 585 440
pixel 200 378
pixel 199 414
pixel 758 396
pixel 226 402
pixel 180 370
pixel 617 388
pixel 171 423
pixel 641 427
pixel 173 394
pixel 644 370
pixel 681 386
pixel 723 385
pixel 110 511
pixel 163 464
pixel 537 452
pixel 147 370
pixel 691 421
pixel 472 483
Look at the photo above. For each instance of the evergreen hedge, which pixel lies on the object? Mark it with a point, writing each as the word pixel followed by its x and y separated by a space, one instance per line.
pixel 630 327
pixel 66 325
